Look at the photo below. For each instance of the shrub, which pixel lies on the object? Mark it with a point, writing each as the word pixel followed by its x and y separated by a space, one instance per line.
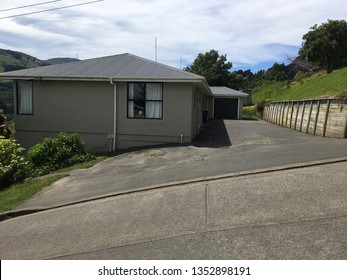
pixel 249 112
pixel 342 98
pixel 300 76
pixel 5 130
pixel 260 107
pixel 55 153
pixel 13 166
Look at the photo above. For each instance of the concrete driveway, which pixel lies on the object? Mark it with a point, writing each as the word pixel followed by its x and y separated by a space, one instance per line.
pixel 224 147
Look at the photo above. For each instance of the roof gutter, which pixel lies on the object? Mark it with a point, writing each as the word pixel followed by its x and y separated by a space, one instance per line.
pixel 101 79
pixel 230 96
pixel 3 77
pixel 113 79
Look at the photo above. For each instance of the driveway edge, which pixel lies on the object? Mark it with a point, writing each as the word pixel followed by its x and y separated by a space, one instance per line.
pixel 23 212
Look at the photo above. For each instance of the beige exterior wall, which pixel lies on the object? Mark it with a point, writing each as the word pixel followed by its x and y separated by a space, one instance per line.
pixel 240 113
pixel 177 103
pixel 199 103
pixel 87 108
pixel 82 107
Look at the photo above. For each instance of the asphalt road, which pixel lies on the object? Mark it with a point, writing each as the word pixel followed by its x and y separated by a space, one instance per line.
pixel 133 207
pixel 229 147
pixel 292 214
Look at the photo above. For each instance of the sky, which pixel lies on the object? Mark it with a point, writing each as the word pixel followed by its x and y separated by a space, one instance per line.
pixel 253 34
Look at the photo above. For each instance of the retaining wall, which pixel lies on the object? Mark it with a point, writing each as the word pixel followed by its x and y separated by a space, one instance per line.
pixel 323 117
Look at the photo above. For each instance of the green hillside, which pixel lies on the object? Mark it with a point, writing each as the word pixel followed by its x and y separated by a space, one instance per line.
pixel 12 60
pixel 60 60
pixel 318 85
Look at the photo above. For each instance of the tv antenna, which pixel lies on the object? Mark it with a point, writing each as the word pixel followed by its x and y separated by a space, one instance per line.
pixel 156 49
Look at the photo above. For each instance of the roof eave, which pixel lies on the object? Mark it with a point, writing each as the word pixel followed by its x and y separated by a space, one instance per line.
pixel 230 95
pixel 194 79
pixel 52 78
pixel 155 79
pixel 115 79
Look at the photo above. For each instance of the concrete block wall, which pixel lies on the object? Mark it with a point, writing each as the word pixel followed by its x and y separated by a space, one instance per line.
pixel 323 117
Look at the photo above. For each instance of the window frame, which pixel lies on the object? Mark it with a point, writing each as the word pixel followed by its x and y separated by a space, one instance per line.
pixel 18 92
pixel 145 100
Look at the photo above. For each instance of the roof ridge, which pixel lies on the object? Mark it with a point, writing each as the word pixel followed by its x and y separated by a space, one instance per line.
pixel 162 64
pixel 86 60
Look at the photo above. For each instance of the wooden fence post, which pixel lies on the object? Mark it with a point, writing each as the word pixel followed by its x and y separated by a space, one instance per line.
pixel 326 118
pixel 287 105
pixel 316 119
pixel 302 115
pixel 296 114
pixel 279 113
pixel 309 117
pixel 283 108
pixel 291 115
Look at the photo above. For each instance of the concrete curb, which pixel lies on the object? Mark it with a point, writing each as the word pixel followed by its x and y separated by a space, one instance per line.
pixel 23 212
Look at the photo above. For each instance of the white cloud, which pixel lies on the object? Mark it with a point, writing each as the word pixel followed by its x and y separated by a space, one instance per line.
pixel 250 32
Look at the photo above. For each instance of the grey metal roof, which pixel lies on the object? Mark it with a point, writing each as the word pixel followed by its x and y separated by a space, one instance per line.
pixel 227 92
pixel 117 67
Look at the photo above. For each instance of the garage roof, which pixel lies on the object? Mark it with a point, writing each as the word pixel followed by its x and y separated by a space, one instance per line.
pixel 227 92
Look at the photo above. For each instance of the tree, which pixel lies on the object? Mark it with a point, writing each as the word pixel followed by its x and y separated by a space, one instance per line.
pixel 302 64
pixel 241 80
pixel 278 72
pixel 213 67
pixel 326 45
pixel 237 81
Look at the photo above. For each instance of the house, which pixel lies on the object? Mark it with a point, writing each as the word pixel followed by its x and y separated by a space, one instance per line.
pixel 227 103
pixel 113 102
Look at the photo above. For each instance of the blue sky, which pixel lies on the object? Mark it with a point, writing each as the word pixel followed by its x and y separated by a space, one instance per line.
pixel 252 33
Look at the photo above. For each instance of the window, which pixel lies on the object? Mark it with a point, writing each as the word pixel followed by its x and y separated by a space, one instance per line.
pixel 145 100
pixel 25 98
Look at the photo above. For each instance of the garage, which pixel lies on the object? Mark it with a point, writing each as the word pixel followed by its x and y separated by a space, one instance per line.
pixel 227 103
pixel 226 108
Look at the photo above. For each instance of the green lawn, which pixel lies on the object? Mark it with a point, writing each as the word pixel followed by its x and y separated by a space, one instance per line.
pixel 319 85
pixel 18 193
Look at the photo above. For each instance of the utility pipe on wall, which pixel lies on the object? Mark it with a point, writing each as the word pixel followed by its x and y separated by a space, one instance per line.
pixel 114 114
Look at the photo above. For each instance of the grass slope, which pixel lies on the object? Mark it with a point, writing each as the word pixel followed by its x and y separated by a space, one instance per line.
pixel 316 86
pixel 16 194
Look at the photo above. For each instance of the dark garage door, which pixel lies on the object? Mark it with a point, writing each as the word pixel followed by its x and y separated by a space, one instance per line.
pixel 226 108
